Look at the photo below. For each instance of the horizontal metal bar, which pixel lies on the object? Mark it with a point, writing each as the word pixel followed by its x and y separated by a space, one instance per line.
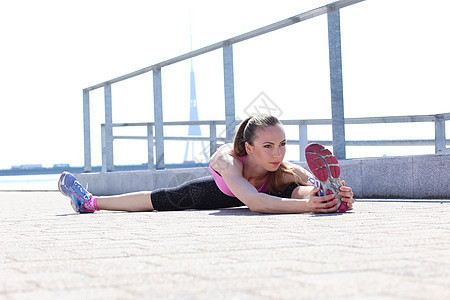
pixel 168 138
pixel 344 3
pixel 242 37
pixel 129 137
pixel 307 122
pixel 378 143
pixel 295 142
pixel 368 120
pixel 399 119
pixel 174 123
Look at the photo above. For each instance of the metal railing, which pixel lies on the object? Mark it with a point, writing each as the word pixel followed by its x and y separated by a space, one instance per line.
pixel 440 142
pixel 332 11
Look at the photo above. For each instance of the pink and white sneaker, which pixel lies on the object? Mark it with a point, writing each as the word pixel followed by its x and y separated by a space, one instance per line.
pixel 325 167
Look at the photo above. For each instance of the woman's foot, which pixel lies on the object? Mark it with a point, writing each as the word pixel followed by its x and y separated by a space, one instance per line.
pixel 82 201
pixel 325 167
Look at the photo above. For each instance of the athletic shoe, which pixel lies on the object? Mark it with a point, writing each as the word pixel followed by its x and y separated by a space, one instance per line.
pixel 80 198
pixel 317 184
pixel 325 167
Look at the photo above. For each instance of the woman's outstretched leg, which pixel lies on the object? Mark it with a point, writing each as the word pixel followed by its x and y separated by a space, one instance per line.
pixel 139 201
pixel 84 202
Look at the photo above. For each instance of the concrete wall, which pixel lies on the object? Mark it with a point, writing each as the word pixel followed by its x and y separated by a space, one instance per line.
pixel 411 177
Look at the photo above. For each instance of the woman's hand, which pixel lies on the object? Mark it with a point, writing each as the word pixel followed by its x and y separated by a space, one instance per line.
pixel 324 204
pixel 346 194
pixel 327 203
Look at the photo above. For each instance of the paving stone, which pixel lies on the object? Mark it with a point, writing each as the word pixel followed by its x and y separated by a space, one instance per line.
pixel 382 249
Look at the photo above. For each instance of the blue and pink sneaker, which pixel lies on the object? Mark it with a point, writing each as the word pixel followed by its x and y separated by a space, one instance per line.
pixel 325 167
pixel 82 201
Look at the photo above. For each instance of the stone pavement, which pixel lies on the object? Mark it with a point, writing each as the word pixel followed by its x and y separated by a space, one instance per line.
pixel 383 249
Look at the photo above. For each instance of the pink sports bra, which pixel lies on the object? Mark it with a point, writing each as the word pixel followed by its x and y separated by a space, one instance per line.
pixel 223 186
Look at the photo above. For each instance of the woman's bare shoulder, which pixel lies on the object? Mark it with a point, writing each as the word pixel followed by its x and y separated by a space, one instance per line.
pixel 224 159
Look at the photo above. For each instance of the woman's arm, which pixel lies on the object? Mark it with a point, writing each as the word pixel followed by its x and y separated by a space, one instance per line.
pixel 229 166
pixel 260 202
pixel 268 204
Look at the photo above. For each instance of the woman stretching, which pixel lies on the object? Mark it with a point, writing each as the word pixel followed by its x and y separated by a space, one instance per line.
pixel 250 172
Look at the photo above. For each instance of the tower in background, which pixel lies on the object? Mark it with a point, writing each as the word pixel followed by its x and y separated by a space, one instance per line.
pixel 194 149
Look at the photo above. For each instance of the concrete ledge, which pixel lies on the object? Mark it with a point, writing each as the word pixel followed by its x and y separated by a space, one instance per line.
pixel 409 177
pixel 412 177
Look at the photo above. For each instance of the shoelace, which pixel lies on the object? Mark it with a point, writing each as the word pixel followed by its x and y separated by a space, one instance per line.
pixel 318 184
pixel 81 191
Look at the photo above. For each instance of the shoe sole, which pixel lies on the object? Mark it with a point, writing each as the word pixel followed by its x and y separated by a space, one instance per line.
pixel 325 167
pixel 59 182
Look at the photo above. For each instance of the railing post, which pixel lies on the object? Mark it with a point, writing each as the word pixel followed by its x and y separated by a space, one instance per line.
pixel 228 75
pixel 109 151
pixel 439 134
pixel 337 91
pixel 159 126
pixel 104 160
pixel 87 132
pixel 302 140
pixel 212 138
pixel 151 164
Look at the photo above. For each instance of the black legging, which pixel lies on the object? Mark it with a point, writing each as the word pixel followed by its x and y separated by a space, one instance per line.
pixel 201 193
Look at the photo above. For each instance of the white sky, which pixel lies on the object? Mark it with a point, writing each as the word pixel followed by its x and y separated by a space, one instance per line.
pixel 395 62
